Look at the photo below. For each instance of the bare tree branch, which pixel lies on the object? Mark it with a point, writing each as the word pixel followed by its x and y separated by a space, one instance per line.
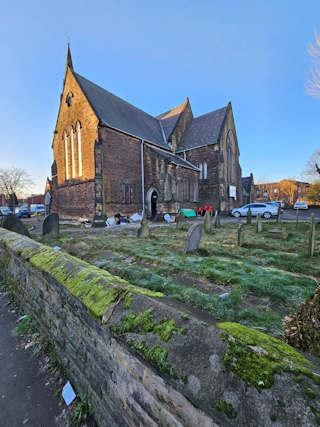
pixel 313 84
pixel 14 180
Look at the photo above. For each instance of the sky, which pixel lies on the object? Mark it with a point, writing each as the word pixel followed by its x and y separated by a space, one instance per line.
pixel 155 54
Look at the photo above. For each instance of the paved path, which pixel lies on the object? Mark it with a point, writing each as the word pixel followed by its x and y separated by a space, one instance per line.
pixel 27 397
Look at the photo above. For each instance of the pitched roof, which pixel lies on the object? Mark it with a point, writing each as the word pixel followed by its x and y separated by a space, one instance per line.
pixel 174 159
pixel 119 114
pixel 203 130
pixel 169 118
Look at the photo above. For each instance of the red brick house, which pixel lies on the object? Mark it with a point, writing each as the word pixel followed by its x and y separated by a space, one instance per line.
pixel 3 201
pixel 110 156
pixel 286 190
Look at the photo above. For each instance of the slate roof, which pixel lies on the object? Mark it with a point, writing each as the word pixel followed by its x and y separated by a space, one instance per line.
pixel 174 159
pixel 169 118
pixel 203 130
pixel 119 114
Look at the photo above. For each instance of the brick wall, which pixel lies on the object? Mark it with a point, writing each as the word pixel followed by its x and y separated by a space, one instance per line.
pixel 121 172
pixel 81 111
pixel 208 188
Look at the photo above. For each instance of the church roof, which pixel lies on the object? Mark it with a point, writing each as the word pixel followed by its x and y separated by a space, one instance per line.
pixel 174 159
pixel 203 130
pixel 119 114
pixel 169 118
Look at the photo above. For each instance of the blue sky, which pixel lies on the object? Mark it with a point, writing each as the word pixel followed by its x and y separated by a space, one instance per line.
pixel 154 54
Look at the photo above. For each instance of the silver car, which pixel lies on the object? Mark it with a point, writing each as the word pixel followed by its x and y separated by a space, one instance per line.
pixel 267 211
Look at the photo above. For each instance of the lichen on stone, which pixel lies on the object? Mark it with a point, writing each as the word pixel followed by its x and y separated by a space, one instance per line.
pixel 256 357
pixel 226 408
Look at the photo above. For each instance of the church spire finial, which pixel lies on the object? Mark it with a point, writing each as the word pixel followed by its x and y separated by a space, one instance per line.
pixel 69 59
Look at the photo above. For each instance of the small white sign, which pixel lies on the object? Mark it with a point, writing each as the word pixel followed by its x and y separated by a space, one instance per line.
pixel 233 191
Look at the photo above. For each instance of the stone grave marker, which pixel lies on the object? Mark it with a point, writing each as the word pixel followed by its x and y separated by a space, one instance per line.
pixel 143 231
pixel 279 214
pixel 193 238
pixel 276 233
pixel 258 224
pixel 216 219
pixel 297 219
pixel 240 234
pixel 50 225
pixel 13 223
pixel 207 222
pixel 249 216
pixel 312 234
pixel 180 219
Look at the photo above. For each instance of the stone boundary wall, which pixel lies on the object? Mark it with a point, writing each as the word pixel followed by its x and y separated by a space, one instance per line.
pixel 145 360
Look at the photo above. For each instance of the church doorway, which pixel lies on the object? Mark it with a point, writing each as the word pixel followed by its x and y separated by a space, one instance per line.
pixel 152 201
pixel 154 198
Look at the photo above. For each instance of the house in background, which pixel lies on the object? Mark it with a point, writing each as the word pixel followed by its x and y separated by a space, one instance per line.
pixel 110 156
pixel 248 189
pixel 286 190
pixel 3 201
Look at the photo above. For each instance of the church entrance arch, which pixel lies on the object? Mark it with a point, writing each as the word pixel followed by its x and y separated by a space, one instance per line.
pixel 152 199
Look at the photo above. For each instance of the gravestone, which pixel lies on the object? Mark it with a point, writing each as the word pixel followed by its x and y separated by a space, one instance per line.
pixel 12 223
pixel 249 216
pixel 279 214
pixel 240 234
pixel 297 219
pixel 276 233
pixel 207 222
pixel 216 219
pixel 143 231
pixel 258 224
pixel 312 234
pixel 193 238
pixel 51 225
pixel 180 221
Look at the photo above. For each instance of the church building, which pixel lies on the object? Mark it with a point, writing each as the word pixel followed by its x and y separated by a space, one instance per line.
pixel 110 156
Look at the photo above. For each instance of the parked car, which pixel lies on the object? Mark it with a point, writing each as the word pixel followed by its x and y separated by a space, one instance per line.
pixel 277 204
pixel 4 210
pixel 300 205
pixel 23 213
pixel 37 209
pixel 265 210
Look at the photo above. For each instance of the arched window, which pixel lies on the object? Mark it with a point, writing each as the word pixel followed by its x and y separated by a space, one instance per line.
pixel 201 171
pixel 230 157
pixel 66 153
pixel 205 170
pixel 73 165
pixel 78 130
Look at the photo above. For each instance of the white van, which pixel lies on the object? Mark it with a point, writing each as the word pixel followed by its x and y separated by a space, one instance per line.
pixel 37 209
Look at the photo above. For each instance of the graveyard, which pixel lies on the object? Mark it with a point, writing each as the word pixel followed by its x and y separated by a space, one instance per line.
pixel 256 284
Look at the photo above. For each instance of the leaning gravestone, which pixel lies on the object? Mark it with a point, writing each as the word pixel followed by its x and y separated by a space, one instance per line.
pixel 297 219
pixel 193 238
pixel 207 222
pixel 51 225
pixel 180 221
pixel 143 231
pixel 279 214
pixel 12 223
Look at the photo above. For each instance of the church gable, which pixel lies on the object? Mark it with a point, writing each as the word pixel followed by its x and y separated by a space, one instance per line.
pixel 75 132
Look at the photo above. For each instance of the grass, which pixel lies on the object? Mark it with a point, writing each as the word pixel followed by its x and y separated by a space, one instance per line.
pixel 266 279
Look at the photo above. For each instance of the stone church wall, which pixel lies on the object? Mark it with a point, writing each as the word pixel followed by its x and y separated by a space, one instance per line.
pixel 208 188
pixel 121 172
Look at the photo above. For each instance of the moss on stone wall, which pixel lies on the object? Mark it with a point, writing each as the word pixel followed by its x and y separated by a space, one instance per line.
pixel 96 288
pixel 256 357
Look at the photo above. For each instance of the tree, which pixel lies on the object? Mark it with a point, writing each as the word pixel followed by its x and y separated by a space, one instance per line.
pixel 288 188
pixel 314 192
pixel 13 183
pixel 313 84
pixel 312 170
